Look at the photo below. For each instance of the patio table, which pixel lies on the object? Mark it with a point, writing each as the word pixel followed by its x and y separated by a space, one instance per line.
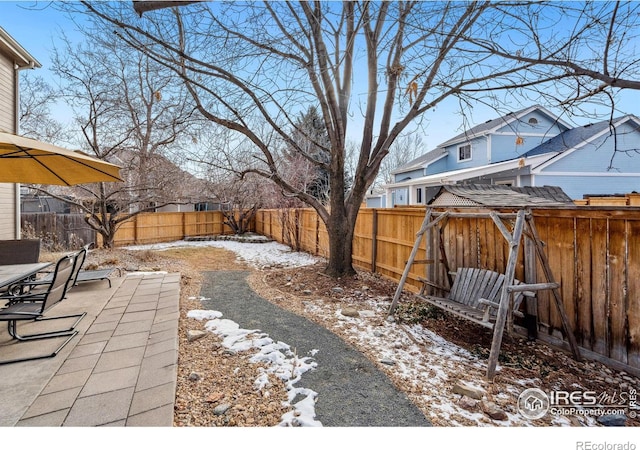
pixel 12 273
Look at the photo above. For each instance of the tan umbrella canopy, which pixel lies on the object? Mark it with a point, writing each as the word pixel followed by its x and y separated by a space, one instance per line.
pixel 24 160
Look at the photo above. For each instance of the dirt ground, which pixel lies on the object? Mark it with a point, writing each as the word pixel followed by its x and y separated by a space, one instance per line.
pixel 210 376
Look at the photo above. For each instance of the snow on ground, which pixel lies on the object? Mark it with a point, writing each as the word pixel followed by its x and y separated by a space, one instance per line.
pixel 256 254
pixel 279 358
pixel 419 357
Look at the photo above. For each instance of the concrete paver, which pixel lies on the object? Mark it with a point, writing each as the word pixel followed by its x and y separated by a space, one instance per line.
pixel 120 370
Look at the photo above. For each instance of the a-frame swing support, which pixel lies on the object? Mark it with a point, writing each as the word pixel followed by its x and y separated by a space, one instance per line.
pixel 523 221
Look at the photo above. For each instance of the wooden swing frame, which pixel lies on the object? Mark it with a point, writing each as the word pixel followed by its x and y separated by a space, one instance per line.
pixel 524 225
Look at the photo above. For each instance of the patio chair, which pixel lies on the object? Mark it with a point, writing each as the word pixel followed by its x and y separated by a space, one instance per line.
pixel 84 276
pixel 34 303
pixel 19 251
pixel 79 275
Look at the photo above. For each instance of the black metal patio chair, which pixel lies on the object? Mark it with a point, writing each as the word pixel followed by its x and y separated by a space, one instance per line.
pixel 31 305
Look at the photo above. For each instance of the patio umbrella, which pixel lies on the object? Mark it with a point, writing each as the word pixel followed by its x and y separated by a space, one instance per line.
pixel 25 160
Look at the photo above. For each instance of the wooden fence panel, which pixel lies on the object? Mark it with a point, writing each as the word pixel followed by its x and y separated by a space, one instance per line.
pixel 617 287
pixel 633 304
pixel 309 230
pixel 363 240
pixel 204 223
pixel 593 252
pixel 599 277
pixel 583 282
pixel 58 231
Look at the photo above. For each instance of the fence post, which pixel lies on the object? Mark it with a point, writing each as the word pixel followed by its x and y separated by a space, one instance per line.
pixel 317 234
pixel 374 240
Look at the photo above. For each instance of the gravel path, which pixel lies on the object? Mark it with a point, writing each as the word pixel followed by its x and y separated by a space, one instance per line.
pixel 351 391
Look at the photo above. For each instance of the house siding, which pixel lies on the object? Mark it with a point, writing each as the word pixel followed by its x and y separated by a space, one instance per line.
pixel 478 155
pixel 504 147
pixel 437 167
pixel 7 93
pixel 596 156
pixel 578 187
pixel 8 216
pixel 8 124
pixel 522 127
pixel 417 173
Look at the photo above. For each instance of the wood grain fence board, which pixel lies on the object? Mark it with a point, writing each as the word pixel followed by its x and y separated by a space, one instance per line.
pixel 489 248
pixel 567 279
pixel 544 300
pixel 584 325
pixel 457 229
pixel 633 292
pixel 599 286
pixel 554 253
pixel 617 290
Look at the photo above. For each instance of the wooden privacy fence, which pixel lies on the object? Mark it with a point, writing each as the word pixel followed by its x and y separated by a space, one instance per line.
pixel 57 231
pixel 154 227
pixel 593 252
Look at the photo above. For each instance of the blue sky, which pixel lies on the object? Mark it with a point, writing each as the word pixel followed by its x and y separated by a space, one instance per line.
pixel 36 26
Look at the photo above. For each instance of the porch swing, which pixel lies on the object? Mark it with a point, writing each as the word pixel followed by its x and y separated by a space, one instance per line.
pixel 482 296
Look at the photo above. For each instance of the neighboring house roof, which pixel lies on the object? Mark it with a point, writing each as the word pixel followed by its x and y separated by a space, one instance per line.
pixel 421 161
pixel 493 125
pixel 455 176
pixel 20 56
pixel 578 137
pixel 499 196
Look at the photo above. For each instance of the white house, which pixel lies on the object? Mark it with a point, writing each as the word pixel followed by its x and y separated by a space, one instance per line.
pixel 13 59
pixel 531 147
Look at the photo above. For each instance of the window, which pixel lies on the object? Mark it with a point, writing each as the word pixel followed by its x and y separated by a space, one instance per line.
pixel 533 121
pixel 464 152
pixel 419 195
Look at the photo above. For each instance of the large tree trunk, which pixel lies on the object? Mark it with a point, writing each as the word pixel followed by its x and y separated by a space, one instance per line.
pixel 340 230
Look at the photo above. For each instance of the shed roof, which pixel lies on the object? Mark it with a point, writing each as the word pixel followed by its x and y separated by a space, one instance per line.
pixel 499 196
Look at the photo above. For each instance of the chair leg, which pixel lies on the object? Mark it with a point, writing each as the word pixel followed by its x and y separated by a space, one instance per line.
pixel 13 328
pixel 50 355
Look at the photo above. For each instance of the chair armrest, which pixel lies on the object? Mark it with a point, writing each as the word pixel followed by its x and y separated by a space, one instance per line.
pixel 23 297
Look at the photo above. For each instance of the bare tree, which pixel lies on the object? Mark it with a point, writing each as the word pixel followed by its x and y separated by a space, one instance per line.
pixel 588 50
pixel 129 112
pixel 379 66
pixel 406 148
pixel 36 99
pixel 240 199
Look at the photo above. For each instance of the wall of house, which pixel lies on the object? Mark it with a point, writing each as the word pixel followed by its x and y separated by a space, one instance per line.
pixel 478 155
pixel 417 173
pixel 7 94
pixel 7 124
pixel 585 170
pixel 503 142
pixel 505 148
pixel 578 186
pixel 438 166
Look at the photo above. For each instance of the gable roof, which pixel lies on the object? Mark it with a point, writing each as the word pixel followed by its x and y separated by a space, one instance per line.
pixel 493 125
pixel 18 54
pixel 578 137
pixel 421 161
pixel 460 175
pixel 499 196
